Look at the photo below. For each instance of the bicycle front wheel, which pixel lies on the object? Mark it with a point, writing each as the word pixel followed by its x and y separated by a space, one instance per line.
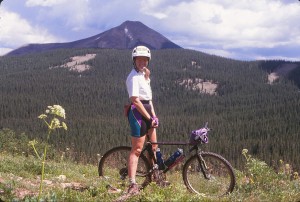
pixel 113 168
pixel 213 177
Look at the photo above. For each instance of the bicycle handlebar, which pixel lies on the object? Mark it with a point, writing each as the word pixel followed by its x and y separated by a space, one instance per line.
pixel 201 134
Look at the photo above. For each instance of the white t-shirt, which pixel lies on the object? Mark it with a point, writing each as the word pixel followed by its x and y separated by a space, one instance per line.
pixel 138 86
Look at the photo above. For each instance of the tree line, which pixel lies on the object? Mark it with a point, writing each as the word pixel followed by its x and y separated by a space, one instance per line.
pixel 246 111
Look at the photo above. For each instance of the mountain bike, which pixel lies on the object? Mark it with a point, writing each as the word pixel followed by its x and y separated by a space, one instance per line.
pixel 204 173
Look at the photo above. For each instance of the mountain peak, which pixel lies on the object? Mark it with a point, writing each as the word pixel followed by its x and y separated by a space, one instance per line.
pixel 129 22
pixel 125 36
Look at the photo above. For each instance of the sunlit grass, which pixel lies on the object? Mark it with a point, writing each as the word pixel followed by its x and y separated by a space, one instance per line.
pixel 257 182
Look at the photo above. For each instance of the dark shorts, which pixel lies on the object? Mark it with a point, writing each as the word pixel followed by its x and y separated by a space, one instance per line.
pixel 139 125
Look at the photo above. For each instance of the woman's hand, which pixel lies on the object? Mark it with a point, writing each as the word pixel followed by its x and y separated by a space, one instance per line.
pixel 147 73
pixel 154 122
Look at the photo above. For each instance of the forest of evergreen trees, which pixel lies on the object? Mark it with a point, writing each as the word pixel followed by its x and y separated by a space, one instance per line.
pixel 247 112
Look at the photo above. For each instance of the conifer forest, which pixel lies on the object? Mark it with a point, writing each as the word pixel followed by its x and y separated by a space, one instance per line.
pixel 245 111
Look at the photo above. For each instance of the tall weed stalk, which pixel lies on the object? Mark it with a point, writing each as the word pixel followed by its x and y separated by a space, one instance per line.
pixel 51 118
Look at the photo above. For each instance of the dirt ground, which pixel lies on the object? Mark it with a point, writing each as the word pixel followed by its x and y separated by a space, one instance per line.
pixel 77 63
pixel 200 85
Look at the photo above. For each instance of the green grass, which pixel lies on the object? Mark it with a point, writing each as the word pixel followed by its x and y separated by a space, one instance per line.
pixel 66 180
pixel 20 174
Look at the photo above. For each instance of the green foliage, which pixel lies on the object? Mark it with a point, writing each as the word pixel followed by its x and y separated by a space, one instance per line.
pixel 260 182
pixel 6 192
pixel 10 142
pixel 256 182
pixel 17 144
pixel 247 112
pixel 257 172
pixel 53 123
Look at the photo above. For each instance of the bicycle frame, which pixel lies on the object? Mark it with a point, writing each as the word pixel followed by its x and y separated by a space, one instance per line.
pixel 201 169
pixel 153 161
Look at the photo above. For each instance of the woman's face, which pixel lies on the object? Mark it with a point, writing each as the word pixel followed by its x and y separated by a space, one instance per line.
pixel 141 62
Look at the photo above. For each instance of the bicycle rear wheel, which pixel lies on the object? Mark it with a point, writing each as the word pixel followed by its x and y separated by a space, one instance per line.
pixel 113 168
pixel 218 179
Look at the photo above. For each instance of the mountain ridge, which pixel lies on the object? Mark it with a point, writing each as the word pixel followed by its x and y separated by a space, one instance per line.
pixel 125 36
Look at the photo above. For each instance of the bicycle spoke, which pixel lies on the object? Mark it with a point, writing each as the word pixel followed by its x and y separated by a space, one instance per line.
pixel 216 179
pixel 113 168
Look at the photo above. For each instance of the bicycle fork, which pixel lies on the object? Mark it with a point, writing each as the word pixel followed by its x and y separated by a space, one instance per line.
pixel 123 173
pixel 203 166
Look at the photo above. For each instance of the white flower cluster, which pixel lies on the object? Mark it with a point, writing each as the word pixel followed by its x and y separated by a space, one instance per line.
pixel 56 111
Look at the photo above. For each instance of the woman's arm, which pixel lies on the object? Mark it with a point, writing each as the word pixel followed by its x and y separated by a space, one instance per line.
pixel 147 73
pixel 152 109
pixel 140 107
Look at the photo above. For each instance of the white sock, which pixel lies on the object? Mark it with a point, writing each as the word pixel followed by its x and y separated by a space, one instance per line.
pixel 132 181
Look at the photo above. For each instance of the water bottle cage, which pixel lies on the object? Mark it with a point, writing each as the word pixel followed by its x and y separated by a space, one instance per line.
pixel 179 159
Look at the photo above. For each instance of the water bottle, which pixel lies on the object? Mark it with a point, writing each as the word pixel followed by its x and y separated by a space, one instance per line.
pixel 160 161
pixel 171 160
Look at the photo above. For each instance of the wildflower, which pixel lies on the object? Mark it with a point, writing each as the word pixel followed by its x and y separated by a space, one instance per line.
pixel 56 110
pixel 287 166
pixel 55 123
pixel 295 175
pixel 288 169
pixel 64 125
pixel 244 151
pixel 32 142
pixel 62 156
pixel 42 116
pixel 62 178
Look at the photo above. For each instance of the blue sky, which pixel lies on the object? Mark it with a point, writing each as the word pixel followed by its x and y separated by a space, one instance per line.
pixel 238 29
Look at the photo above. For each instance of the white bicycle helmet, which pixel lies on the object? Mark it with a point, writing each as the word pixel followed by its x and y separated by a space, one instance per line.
pixel 141 51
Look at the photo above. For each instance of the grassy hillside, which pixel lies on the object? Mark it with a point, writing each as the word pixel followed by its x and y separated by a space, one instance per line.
pixel 67 180
pixel 246 111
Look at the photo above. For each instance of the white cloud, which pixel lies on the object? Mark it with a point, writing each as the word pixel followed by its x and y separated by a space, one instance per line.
pixel 46 3
pixel 149 7
pixel 82 16
pixel 221 27
pixel 74 15
pixel 219 52
pixel 16 31
pixel 245 23
pixel 3 51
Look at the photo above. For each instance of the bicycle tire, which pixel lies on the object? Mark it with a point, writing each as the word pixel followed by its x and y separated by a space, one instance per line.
pixel 220 175
pixel 113 168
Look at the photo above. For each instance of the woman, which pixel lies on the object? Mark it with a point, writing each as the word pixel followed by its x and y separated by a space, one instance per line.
pixel 141 116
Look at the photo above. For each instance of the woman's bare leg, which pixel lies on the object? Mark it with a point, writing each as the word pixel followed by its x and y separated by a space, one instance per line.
pixel 153 138
pixel 136 149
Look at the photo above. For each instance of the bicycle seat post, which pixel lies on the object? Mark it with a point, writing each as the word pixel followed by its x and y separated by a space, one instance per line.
pixel 148 147
pixel 151 155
